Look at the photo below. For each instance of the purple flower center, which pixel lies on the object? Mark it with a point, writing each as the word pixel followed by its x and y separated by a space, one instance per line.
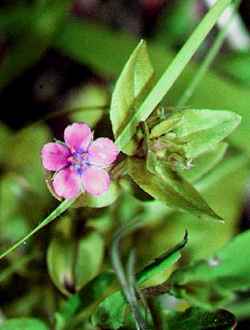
pixel 79 161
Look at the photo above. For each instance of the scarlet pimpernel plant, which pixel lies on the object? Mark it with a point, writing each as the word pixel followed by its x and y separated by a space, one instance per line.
pixel 153 151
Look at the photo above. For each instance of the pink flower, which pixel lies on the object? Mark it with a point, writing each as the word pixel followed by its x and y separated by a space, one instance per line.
pixel 80 162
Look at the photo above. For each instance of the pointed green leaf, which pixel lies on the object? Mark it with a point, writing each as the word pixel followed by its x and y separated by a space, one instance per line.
pixel 185 189
pixel 205 162
pixel 162 263
pixel 60 261
pixel 130 88
pixel 169 187
pixel 202 129
pixel 212 282
pixel 199 319
pixel 132 82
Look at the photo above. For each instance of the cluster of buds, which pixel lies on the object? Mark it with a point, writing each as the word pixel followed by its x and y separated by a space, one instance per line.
pixel 163 141
pixel 171 149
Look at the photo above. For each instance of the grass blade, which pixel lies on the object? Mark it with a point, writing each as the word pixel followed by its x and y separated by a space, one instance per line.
pixel 52 216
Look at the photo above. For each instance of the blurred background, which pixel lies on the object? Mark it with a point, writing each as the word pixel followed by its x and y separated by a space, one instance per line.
pixel 59 60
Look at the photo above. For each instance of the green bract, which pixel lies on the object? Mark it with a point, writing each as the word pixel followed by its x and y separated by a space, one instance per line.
pixel 169 187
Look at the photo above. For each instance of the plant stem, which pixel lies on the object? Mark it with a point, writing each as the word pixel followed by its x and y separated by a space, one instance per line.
pixel 125 283
pixel 52 216
pixel 207 61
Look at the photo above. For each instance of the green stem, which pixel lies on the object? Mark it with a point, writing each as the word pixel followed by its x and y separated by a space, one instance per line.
pixel 172 72
pixel 212 53
pixel 120 273
pixel 52 216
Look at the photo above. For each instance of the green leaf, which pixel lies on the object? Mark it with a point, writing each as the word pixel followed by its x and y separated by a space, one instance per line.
pixel 72 264
pixel 199 319
pixel 85 299
pixel 202 129
pixel 23 324
pixel 130 88
pixel 169 187
pixel 162 263
pixel 60 261
pixel 172 73
pixel 205 162
pixel 111 312
pixel 89 259
pixel 213 282
pixel 52 216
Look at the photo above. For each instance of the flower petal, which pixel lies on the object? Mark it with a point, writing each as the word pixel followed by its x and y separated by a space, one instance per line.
pixel 78 136
pixel 66 183
pixel 95 181
pixel 54 156
pixel 102 152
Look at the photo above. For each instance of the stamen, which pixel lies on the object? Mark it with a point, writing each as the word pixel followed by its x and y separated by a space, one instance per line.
pixel 79 161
